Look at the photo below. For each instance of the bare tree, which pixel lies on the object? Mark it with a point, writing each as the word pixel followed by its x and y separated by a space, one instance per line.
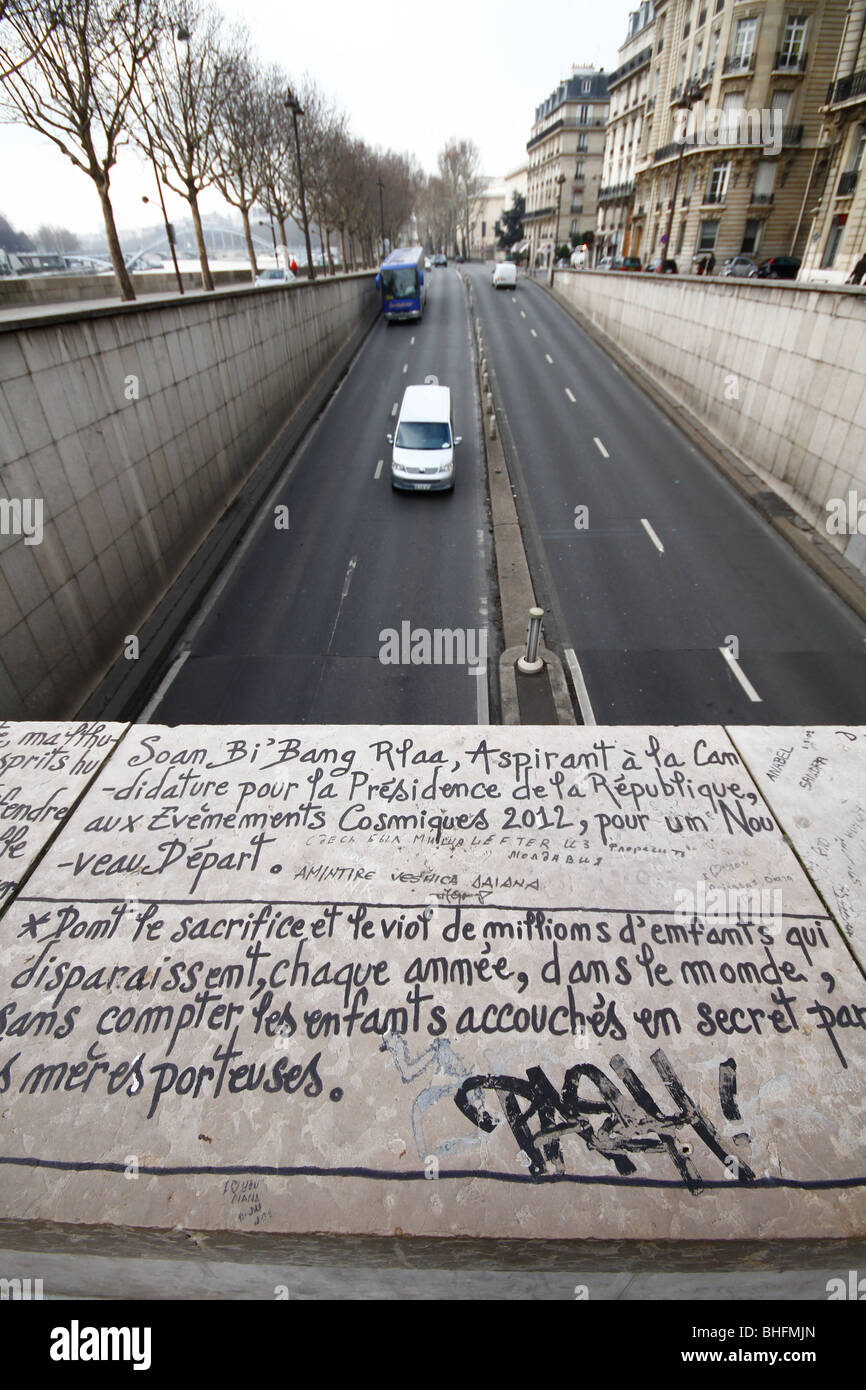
pixel 240 119
pixel 69 71
pixel 58 238
pixel 459 163
pixel 188 78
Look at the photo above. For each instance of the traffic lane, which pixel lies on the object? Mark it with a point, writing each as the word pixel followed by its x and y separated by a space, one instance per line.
pixel 295 634
pixel 720 554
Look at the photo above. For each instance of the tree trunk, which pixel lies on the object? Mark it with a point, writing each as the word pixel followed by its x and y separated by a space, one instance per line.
pixel 322 248
pixel 206 277
pixel 343 255
pixel 122 275
pixel 248 235
pixel 331 266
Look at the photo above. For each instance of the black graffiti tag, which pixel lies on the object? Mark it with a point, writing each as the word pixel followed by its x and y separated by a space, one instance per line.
pixel 633 1122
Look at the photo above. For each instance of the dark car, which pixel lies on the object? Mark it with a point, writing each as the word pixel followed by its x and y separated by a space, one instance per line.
pixel 657 267
pixel 627 263
pixel 439 259
pixel 778 268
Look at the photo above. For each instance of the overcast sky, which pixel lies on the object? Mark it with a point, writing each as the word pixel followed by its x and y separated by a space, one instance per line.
pixel 408 76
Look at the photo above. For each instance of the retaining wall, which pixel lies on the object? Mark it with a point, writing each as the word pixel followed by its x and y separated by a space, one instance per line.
pixel 135 427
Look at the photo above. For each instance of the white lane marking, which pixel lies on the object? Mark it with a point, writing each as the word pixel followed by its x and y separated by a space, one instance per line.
pixel 601 449
pixel 740 675
pixel 405 366
pixel 514 299
pixel 378 472
pixel 652 535
pixel 549 358
pixel 411 342
pixel 533 332
pixel 174 668
pixel 394 408
pixel 349 572
pixel 579 684
pixel 523 313
pixel 570 396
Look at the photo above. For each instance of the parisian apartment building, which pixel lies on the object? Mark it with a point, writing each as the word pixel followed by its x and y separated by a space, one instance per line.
pixel 628 86
pixel 730 127
pixel 565 156
pixel 838 216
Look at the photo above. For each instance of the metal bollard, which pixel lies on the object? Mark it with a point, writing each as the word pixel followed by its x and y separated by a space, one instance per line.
pixel 530 663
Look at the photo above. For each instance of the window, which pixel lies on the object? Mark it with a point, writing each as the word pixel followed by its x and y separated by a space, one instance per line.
pixel 793 41
pixel 714 47
pixel 718 185
pixel 578 169
pixel 836 230
pixel 587 84
pixel 858 152
pixel 751 236
pixel 581 143
pixel 707 236
pixel 729 125
pixel 765 178
pixel 583 115
pixel 744 42
pixel 681 236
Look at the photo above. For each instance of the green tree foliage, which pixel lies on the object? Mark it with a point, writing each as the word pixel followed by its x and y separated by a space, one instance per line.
pixel 510 225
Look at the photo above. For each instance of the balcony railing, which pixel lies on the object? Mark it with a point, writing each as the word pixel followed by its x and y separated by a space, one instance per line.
pixel 790 62
pixel 761 199
pixel 614 191
pixel 847 87
pixel 650 103
pixel 714 199
pixel 847 183
pixel 735 63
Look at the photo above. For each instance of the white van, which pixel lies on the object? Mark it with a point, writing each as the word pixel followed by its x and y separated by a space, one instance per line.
pixel 504 276
pixel 422 458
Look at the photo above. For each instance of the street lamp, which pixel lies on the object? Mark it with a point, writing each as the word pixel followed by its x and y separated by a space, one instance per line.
pixel 169 229
pixel 559 181
pixel 690 96
pixel 292 104
pixel 381 187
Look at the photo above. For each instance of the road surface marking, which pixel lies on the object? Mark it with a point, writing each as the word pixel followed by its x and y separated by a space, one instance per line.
pixel 411 342
pixel 579 684
pixel 570 396
pixel 378 472
pixel 405 366
pixel 601 449
pixel 741 677
pixel 549 358
pixel 174 668
pixel 652 535
pixel 394 408
pixel 523 313
pixel 533 332
pixel 514 299
pixel 349 572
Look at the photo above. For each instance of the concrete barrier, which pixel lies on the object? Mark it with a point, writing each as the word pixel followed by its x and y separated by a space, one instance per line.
pixel 32 290
pixel 776 370
pixel 549 996
pixel 126 432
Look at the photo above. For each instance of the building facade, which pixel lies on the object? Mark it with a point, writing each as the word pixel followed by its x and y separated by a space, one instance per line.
pixel 732 127
pixel 565 155
pixel 838 223
pixel 628 86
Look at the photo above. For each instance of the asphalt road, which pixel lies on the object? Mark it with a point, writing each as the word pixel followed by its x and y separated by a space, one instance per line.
pixel 673 564
pixel 292 630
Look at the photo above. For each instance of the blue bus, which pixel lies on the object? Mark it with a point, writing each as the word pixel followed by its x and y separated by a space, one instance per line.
pixel 402 284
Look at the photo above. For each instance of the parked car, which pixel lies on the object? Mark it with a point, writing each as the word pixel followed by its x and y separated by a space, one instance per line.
pixel 656 267
pixel 439 259
pixel 626 263
pixel 428 264
pixel 606 263
pixel 277 275
pixel 778 268
pixel 423 445
pixel 504 276
pixel 739 265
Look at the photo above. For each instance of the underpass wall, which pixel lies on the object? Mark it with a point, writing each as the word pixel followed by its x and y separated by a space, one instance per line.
pixel 776 371
pixel 125 433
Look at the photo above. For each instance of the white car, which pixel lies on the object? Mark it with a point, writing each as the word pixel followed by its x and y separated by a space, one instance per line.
pixel 504 276
pixel 423 446
pixel 279 275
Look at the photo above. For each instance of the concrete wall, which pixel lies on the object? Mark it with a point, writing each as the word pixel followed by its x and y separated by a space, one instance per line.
pixel 62 289
pixel 135 427
pixel 776 371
